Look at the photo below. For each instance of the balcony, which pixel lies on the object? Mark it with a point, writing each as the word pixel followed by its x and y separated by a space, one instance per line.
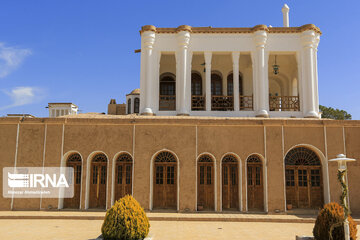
pixel 246 103
pixel 167 102
pixel 197 103
pixel 222 103
pixel 284 103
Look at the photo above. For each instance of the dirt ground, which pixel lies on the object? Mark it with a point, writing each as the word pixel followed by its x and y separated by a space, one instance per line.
pixel 90 229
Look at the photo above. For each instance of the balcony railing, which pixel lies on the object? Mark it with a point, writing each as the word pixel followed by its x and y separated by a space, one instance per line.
pixel 246 103
pixel 284 103
pixel 197 103
pixel 222 103
pixel 167 102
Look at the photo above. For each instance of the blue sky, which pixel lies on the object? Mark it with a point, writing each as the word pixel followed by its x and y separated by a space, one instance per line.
pixel 83 51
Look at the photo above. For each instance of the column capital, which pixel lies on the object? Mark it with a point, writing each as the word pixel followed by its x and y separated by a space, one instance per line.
pixel 309 39
pixel 260 38
pixel 148 39
pixel 183 38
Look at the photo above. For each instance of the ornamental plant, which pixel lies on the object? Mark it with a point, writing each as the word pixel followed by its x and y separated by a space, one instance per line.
pixel 125 220
pixel 331 219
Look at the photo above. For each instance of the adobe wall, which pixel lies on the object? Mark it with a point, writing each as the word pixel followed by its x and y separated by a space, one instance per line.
pixel 187 137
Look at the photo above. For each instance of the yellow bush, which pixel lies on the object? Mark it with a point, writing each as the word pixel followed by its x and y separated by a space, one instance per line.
pixel 126 219
pixel 332 214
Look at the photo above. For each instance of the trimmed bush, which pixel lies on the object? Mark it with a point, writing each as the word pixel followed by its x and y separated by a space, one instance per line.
pixel 126 219
pixel 332 215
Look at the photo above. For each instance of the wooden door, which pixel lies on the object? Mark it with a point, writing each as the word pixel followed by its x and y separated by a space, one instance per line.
pixel 304 186
pixel 123 180
pixel 206 185
pixel 255 188
pixel 230 186
pixel 165 185
pixel 74 161
pixel 98 183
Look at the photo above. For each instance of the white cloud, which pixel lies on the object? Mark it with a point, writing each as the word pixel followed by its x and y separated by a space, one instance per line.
pixel 11 58
pixel 23 95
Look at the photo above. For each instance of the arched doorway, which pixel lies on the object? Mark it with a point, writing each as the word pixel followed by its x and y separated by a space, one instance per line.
pixel 255 184
pixel 197 98
pixel 167 94
pixel 230 183
pixel 74 161
pixel 206 183
pixel 123 176
pixel 303 175
pixel 98 181
pixel 165 181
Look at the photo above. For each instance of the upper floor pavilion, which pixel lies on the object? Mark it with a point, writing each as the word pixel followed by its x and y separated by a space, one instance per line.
pixel 261 71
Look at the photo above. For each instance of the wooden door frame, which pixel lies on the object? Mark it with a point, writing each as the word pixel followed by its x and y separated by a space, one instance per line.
pixel 152 163
pixel 215 180
pixel 264 175
pixel 63 164
pixel 113 175
pixel 88 177
pixel 239 180
pixel 324 170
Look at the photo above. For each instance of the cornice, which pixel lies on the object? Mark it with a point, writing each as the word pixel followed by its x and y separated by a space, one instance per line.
pixel 210 29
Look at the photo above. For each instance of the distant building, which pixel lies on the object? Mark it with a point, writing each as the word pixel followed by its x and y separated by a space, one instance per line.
pixel 116 109
pixel 61 109
pixel 133 101
pixel 20 115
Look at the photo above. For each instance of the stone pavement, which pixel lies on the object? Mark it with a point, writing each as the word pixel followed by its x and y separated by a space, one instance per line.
pixel 60 229
pixel 162 216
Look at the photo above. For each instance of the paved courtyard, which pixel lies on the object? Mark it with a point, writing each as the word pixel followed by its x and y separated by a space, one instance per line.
pixel 90 229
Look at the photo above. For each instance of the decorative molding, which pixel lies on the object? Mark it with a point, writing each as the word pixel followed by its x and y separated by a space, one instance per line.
pixel 210 29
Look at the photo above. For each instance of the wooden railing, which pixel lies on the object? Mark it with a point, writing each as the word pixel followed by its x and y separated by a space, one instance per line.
pixel 222 103
pixel 167 102
pixel 197 103
pixel 284 103
pixel 246 103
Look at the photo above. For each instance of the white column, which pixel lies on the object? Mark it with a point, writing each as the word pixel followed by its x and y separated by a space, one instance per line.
pixel 316 92
pixel 308 40
pixel 183 37
pixel 235 60
pixel 285 10
pixel 208 56
pixel 148 36
pixel 188 84
pixel 261 93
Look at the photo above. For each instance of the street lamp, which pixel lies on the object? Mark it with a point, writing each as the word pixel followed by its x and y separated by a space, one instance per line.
pixel 341 159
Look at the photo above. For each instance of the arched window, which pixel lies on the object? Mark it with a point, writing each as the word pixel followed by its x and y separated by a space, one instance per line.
pixel 216 85
pixel 205 183
pixel 136 105
pixel 230 85
pixel 165 157
pixel 129 106
pixel 302 156
pixel 167 85
pixel 196 84
pixel 123 175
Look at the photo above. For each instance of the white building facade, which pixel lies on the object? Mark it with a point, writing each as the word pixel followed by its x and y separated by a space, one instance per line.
pixel 61 109
pixel 261 71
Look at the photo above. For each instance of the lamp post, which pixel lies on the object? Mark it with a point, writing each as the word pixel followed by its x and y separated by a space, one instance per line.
pixel 341 159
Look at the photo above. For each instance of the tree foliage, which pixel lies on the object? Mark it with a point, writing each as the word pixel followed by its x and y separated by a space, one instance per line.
pixel 337 114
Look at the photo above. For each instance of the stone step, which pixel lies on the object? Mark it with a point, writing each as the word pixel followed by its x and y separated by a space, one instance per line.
pixel 154 216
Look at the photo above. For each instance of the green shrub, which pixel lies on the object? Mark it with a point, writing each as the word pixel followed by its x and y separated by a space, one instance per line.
pixel 126 220
pixel 332 214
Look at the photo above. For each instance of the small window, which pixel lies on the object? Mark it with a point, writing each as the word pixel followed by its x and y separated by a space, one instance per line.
pixel 136 105
pixel 196 84
pixel 129 106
